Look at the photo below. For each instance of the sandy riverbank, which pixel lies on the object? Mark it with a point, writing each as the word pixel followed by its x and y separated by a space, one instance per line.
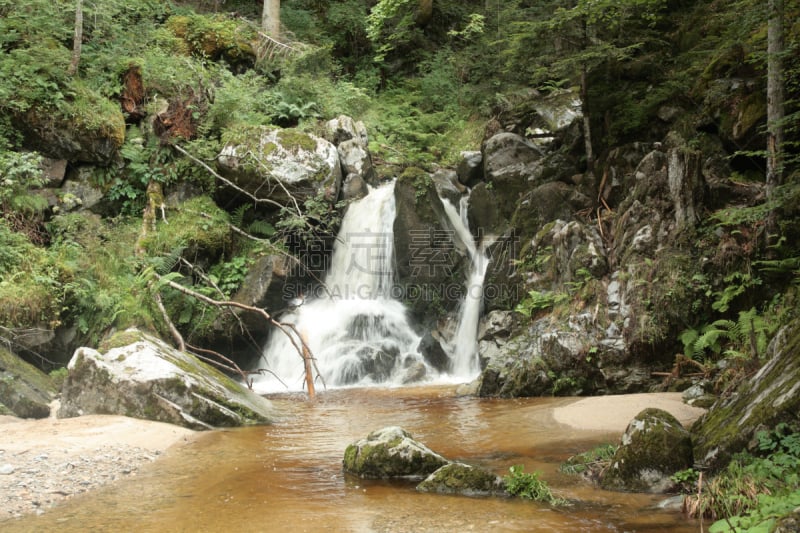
pixel 43 462
pixel 612 413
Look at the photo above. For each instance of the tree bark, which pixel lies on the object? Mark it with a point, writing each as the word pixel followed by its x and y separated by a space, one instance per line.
pixel 271 18
pixel 587 122
pixel 77 40
pixel 775 96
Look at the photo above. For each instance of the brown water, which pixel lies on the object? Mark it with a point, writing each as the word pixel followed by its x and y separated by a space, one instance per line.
pixel 288 476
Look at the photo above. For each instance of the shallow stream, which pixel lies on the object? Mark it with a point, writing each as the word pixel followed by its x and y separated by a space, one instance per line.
pixel 288 476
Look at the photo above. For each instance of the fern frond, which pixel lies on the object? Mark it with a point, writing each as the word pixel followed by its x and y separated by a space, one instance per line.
pixel 261 227
pixel 238 215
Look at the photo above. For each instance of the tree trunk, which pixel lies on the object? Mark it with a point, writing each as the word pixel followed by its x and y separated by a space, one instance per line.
pixel 271 18
pixel 775 98
pixel 77 40
pixel 587 123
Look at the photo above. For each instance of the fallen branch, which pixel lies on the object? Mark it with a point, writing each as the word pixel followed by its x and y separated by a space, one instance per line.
pixel 288 329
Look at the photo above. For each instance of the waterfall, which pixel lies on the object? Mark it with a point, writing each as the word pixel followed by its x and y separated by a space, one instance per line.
pixel 358 334
pixel 464 348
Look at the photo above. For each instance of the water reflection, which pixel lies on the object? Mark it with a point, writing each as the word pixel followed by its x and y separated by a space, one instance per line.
pixel 288 476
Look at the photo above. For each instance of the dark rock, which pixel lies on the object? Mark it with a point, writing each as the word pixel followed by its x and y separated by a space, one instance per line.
pixel 768 398
pixel 140 376
pixel 484 213
pixel 391 452
pixel 431 349
pixel 464 480
pixel 426 257
pixel 512 164
pixel 654 446
pixel 24 389
pixel 470 168
pixel 81 139
pixel 447 186
pixel 53 171
pixel 354 187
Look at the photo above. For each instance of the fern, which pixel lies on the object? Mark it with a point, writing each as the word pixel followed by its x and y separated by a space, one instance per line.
pixel 237 216
pixel 261 227
pixel 749 334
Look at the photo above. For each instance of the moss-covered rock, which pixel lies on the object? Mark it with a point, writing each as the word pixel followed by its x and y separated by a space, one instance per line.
pixel 215 37
pixel 140 376
pixel 466 480
pixel 654 446
pixel 25 390
pixel 770 397
pixel 391 452
pixel 276 163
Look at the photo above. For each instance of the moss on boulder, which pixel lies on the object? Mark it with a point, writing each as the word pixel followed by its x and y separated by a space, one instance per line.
pixel 391 452
pixel 654 446
pixel 140 376
pixel 463 479
pixel 25 391
pixel 770 397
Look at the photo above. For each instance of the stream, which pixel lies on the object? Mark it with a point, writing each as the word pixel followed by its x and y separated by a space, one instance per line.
pixel 288 476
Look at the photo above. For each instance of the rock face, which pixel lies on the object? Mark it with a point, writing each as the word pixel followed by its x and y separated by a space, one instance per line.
pixel 271 162
pixel 511 165
pixel 466 480
pixel 140 376
pixel 391 453
pixel 654 446
pixel 771 396
pixel 24 389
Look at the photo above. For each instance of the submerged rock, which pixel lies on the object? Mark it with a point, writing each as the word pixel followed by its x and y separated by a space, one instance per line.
pixel 140 376
pixel 391 452
pixel 463 479
pixel 654 446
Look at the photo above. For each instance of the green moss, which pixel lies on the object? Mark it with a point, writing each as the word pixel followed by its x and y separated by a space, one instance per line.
pixel 120 339
pixel 17 367
pixel 295 140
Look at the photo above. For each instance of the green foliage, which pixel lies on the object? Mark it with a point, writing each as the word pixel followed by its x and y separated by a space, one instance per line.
pixel 20 172
pixel 595 459
pixel 746 337
pixel 540 301
pixel 528 486
pixel 228 276
pixel 752 491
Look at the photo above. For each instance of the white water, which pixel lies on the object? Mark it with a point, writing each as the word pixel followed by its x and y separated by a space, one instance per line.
pixel 464 348
pixel 358 334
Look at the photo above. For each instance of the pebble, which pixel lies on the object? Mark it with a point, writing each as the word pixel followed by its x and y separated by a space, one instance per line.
pixel 41 479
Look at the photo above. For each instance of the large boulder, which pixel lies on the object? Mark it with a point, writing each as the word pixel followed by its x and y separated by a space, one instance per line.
pixel 465 480
pixel 92 135
pixel 511 165
pixel 24 389
pixel 768 398
pixel 654 446
pixel 137 375
pixel 391 452
pixel 427 259
pixel 275 163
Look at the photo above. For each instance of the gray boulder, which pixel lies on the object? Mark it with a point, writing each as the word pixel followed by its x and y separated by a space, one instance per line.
pixel 770 397
pixel 654 446
pixel 275 163
pixel 356 160
pixel 512 164
pixel 137 375
pixel 470 168
pixel 344 128
pixel 25 390
pixel 391 452
pixel 464 480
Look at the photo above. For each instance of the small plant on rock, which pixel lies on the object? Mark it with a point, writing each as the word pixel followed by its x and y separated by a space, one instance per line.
pixel 528 486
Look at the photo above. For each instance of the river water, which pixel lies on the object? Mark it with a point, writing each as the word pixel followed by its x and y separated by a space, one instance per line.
pixel 288 476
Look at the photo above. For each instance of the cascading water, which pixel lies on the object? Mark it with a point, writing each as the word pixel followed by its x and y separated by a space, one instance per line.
pixel 464 348
pixel 358 334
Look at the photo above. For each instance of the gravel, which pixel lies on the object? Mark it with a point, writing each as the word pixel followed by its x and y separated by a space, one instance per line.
pixel 33 481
